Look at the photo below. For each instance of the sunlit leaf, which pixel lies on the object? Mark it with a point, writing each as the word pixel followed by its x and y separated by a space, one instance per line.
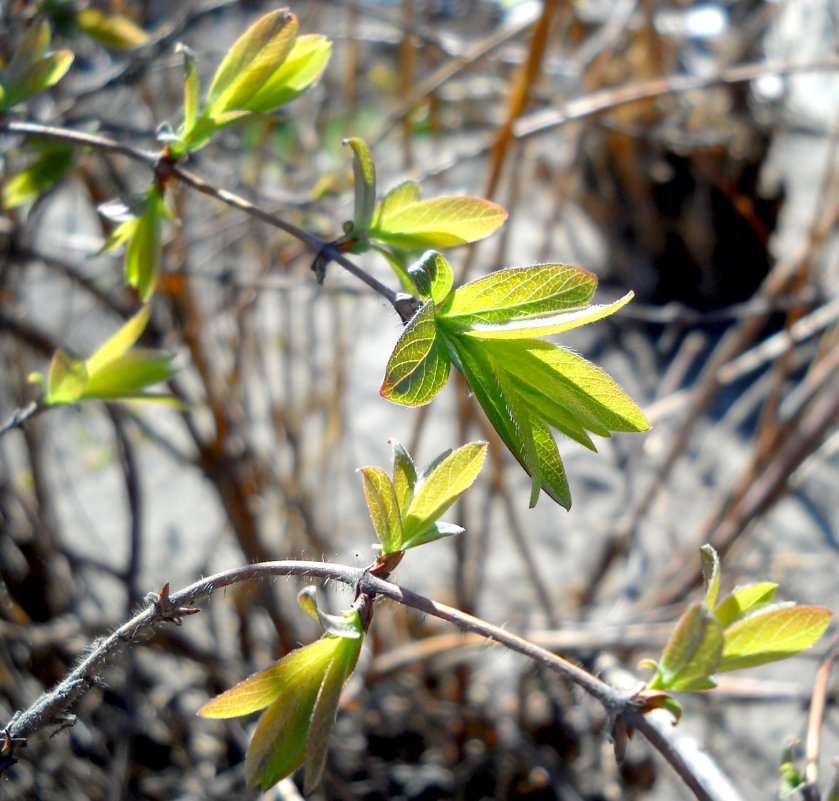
pixel 43 74
pixel 251 61
pixel 120 342
pixel 772 634
pixel 128 374
pixel 541 326
pixel 35 179
pixel 692 654
pixel 433 276
pixel 66 380
pixel 384 508
pixel 32 47
pixel 521 293
pixel 745 599
pixel 342 625
pixel 404 474
pixel 192 87
pixel 111 30
pixel 435 532
pixel 401 195
pixel 364 182
pixel 441 222
pixel 302 68
pixel 711 574
pixel 419 366
pixel 439 490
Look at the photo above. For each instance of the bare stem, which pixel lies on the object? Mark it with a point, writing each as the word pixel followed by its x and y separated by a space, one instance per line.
pixel 165 607
pixel 20 416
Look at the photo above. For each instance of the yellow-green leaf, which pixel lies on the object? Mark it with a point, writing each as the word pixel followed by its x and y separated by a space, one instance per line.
pixel 120 342
pixel 521 293
pixel 772 634
pixel 692 654
pixel 419 366
pixel 32 47
pixel 364 182
pixel 744 600
pixel 540 326
pixel 404 474
pixel 192 88
pixel 384 508
pixel 43 74
pixel 66 379
pixel 302 68
pixel 711 574
pixel 251 61
pixel 442 487
pixel 401 195
pixel 433 276
pixel 441 222
pixel 111 30
pixel 126 375
pixel 35 179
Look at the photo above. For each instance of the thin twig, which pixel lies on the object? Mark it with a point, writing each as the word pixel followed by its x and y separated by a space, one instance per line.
pixel 21 416
pixel 173 607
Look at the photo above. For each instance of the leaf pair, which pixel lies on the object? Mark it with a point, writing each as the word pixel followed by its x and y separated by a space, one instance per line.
pixel 114 372
pixel 526 387
pixel 743 630
pixel 300 695
pixel 405 222
pixel 140 232
pixel 32 67
pixel 405 507
pixel 268 66
pixel 53 162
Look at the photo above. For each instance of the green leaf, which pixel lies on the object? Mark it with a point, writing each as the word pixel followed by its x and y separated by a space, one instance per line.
pixel 302 68
pixel 419 366
pixel 437 223
pixel 435 532
pixel 745 599
pixel 540 326
pixel 251 61
pixel 192 88
pixel 692 654
pixel 433 276
pixel 439 490
pixel 38 177
pixel 364 176
pixel 66 379
pixel 120 342
pixel 111 30
pixel 401 195
pixel 384 508
pixel 264 688
pixel 41 75
pixel 144 246
pixel 521 293
pixel 772 634
pixel 297 724
pixel 404 474
pixel 343 625
pixel 32 47
pixel 128 374
pixel 711 574
pixel 588 394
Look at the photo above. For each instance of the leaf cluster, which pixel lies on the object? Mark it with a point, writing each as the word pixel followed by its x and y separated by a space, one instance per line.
pixel 747 628
pixel 300 695
pixel 487 329
pixel 405 507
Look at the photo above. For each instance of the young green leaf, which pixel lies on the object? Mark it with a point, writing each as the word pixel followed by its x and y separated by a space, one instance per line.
pixel 31 69
pixel 540 326
pixel 772 634
pixel 111 30
pixel 38 177
pixel 692 654
pixel 433 276
pixel 66 379
pixel 32 48
pixel 303 67
pixel 711 574
pixel 521 293
pixel 401 195
pixel 384 508
pixel 404 474
pixel 744 600
pixel 419 366
pixel 192 87
pixel 364 177
pixel 250 62
pixel 441 222
pixel 343 625
pixel 438 531
pixel 439 490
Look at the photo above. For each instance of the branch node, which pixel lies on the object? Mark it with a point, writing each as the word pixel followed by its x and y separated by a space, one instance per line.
pixel 166 610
